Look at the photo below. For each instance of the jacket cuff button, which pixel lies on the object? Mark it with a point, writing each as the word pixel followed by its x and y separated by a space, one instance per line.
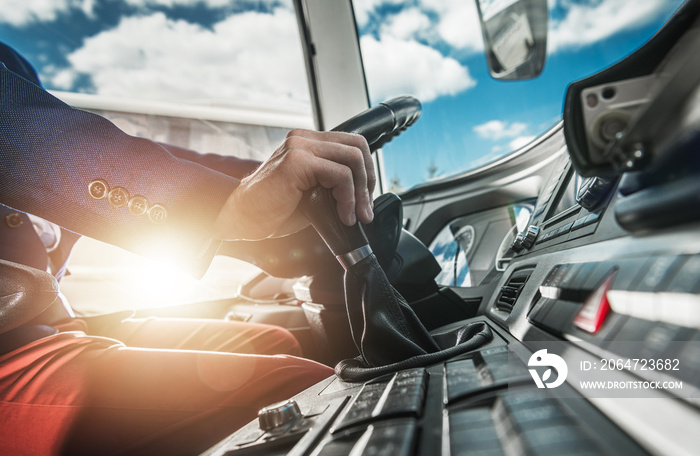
pixel 13 220
pixel 138 205
pixel 98 189
pixel 118 197
pixel 157 213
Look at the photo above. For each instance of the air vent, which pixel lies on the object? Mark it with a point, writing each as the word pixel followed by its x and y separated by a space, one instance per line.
pixel 511 290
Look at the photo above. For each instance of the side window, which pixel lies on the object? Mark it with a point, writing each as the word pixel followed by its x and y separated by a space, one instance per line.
pixel 224 77
pixel 469 247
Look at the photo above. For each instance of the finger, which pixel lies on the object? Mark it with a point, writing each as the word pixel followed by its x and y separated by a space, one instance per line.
pixel 371 172
pixel 338 178
pixel 353 158
pixel 349 149
pixel 350 139
pixel 305 170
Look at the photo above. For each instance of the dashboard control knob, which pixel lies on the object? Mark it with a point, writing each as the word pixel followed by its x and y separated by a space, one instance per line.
pixel 592 191
pixel 517 244
pixel 530 236
pixel 279 415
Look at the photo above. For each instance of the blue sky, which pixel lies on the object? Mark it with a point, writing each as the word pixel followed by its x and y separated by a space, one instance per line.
pixel 220 52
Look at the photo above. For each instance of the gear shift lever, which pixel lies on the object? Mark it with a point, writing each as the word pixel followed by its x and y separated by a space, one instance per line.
pixel 383 326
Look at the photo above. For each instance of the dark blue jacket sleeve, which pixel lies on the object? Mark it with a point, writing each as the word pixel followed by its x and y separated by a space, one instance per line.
pixel 81 172
pixel 231 166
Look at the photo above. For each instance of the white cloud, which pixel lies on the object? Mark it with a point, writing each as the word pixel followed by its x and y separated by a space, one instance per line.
pixel 497 129
pixel 397 67
pixel 171 3
pixel 520 141
pixel 458 23
pixel 514 144
pixel 364 8
pixel 409 23
pixel 61 78
pixel 586 24
pixel 250 56
pixel 453 21
pixel 23 12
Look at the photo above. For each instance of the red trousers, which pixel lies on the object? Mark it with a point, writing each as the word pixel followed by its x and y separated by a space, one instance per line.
pixel 161 388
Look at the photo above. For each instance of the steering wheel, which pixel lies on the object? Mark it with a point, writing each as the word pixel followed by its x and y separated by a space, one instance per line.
pixel 383 122
pixel 379 125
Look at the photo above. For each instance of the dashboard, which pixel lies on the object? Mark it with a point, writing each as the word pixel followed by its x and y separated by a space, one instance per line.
pixel 620 311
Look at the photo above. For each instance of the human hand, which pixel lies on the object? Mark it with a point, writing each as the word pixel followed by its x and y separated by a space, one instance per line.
pixel 265 204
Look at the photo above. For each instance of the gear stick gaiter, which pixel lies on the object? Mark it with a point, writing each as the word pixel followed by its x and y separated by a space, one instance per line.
pixel 387 332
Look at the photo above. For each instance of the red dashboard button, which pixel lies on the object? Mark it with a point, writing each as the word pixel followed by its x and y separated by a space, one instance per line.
pixel 596 308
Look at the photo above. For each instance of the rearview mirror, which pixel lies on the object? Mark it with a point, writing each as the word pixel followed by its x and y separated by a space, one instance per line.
pixel 515 37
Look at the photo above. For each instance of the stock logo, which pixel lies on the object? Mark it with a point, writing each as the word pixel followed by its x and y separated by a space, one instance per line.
pixel 541 359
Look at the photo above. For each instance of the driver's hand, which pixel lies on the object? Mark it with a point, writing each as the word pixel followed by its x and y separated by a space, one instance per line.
pixel 265 204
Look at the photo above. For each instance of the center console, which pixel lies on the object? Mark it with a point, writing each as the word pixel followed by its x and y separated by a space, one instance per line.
pixel 484 402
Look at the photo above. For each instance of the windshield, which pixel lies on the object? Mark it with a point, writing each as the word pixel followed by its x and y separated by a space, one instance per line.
pixel 433 49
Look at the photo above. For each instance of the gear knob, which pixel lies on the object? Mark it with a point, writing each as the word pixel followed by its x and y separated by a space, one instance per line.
pixel 348 243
